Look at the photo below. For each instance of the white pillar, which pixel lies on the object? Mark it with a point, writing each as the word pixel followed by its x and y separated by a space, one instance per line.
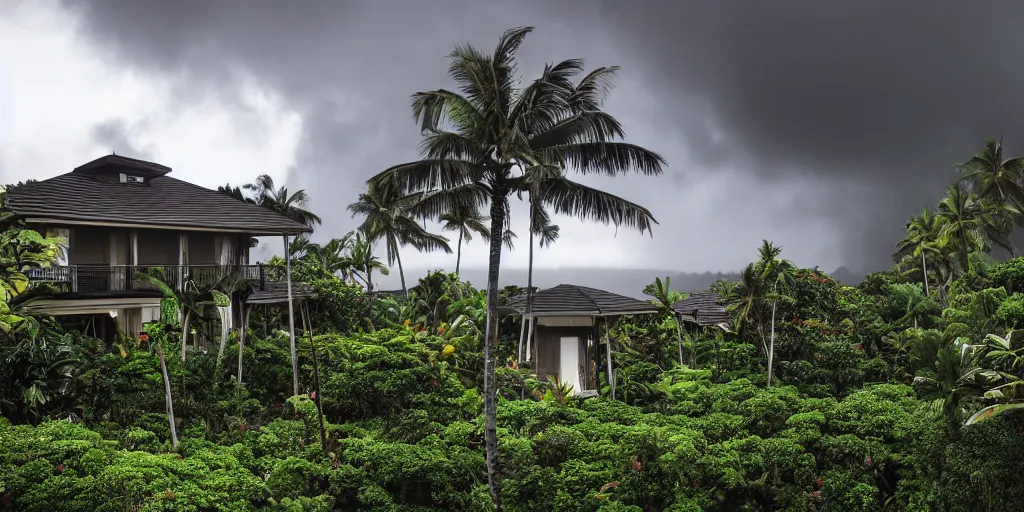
pixel 611 371
pixel 291 317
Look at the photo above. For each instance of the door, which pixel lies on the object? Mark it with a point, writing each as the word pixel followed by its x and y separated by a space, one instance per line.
pixel 569 364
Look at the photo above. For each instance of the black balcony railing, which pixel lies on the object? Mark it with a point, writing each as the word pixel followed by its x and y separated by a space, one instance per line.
pixel 126 278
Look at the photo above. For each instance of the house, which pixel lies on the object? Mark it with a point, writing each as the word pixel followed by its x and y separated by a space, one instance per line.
pixel 565 321
pixel 702 309
pixel 120 216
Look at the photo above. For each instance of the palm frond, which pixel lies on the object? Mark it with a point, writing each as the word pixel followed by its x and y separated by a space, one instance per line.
pixel 609 158
pixel 570 198
pixel 429 174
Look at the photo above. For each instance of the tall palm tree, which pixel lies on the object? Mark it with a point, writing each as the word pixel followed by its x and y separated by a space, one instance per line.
pixel 540 226
pixel 467 220
pixel 388 215
pixel 994 177
pixel 292 205
pixel 479 141
pixel 774 271
pixel 971 225
pixel 924 233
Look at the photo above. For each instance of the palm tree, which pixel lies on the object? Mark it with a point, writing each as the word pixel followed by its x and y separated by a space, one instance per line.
pixel 466 219
pixel 479 141
pixel 389 216
pixel 279 200
pixel 774 271
pixel 663 296
pixel 235 193
pixel 994 177
pixel 541 226
pixel 924 233
pixel 364 262
pixel 971 225
pixel 332 257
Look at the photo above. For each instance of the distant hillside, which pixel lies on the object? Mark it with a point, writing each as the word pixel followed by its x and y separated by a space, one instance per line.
pixel 629 282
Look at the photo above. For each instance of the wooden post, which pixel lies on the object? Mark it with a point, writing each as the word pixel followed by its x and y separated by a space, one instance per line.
pixel 608 346
pixel 291 318
pixel 530 330
pixel 522 333
pixel 167 394
pixel 242 332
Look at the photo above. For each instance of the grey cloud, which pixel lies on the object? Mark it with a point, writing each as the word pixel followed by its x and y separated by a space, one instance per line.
pixel 115 135
pixel 861 107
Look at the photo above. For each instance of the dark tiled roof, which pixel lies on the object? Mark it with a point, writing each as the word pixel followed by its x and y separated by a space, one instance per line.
pixel 277 293
pixel 570 300
pixel 702 308
pixel 93 193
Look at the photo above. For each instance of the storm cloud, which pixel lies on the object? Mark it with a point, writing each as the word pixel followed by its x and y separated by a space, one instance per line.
pixel 817 125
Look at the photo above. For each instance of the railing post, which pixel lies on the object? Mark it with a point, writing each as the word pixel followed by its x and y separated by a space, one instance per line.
pixel 263 277
pixel 129 278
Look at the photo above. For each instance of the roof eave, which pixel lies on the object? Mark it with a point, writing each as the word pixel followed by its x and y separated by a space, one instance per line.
pixel 251 231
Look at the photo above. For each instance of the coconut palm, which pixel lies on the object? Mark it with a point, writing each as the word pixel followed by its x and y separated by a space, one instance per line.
pixel 540 226
pixel 994 177
pixel 388 215
pixel 234 193
pixel 924 234
pixel 332 257
pixel 775 272
pixel 364 262
pixel 292 205
pixel 479 141
pixel 971 225
pixel 467 220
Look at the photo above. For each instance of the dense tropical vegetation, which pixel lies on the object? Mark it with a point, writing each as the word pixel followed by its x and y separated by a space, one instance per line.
pixel 896 394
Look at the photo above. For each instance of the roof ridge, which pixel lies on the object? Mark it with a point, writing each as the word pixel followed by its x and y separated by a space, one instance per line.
pixel 583 291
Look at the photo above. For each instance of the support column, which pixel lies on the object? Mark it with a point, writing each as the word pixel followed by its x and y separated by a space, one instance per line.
pixel 291 317
pixel 608 346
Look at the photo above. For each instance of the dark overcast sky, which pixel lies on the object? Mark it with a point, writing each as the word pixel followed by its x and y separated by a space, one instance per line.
pixel 818 125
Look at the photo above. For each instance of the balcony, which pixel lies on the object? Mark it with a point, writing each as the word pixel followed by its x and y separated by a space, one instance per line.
pixel 107 279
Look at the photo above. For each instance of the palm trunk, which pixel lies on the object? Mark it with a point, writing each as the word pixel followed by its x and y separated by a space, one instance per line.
pixel 369 292
pixel 529 272
pixel 679 338
pixel 308 323
pixel 490 331
pixel 458 255
pixel 167 395
pixel 924 270
pixel 401 273
pixel 771 342
pixel 242 333
pixel 184 332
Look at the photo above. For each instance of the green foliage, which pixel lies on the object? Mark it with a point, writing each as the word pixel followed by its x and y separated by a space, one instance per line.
pixel 1011 311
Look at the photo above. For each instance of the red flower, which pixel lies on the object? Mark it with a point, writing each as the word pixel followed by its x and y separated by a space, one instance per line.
pixel 60 468
pixel 243 427
pixel 312 395
pixel 614 484
pixel 868 461
pixel 819 482
pixel 636 465
pixel 816 495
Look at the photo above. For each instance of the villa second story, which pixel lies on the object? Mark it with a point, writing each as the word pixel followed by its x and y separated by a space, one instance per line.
pixel 120 216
